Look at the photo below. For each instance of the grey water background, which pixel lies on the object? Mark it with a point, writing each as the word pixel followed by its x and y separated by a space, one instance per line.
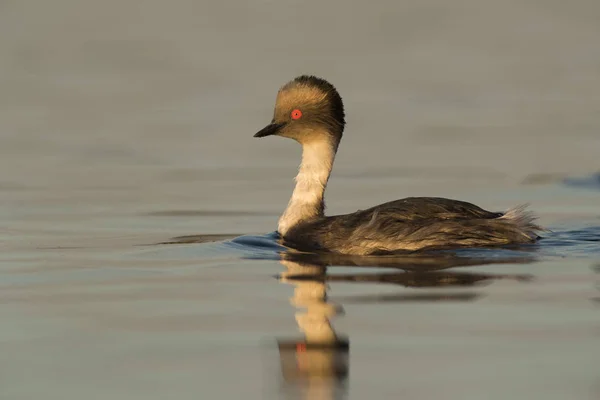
pixel 124 124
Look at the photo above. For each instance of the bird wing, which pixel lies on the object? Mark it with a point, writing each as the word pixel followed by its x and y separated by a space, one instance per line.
pixel 426 208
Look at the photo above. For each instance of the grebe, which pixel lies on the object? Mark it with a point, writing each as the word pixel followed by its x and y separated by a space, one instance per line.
pixel 310 110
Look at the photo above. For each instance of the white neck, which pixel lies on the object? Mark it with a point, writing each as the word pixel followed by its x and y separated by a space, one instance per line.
pixel 307 200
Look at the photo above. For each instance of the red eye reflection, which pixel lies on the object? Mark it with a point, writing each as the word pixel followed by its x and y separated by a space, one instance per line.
pixel 296 114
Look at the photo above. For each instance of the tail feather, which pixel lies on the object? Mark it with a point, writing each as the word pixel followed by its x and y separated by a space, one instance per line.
pixel 524 220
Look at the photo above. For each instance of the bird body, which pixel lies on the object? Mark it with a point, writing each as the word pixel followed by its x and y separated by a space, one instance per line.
pixel 310 110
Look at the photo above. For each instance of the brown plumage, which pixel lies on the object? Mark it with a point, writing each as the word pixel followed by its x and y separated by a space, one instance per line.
pixel 310 111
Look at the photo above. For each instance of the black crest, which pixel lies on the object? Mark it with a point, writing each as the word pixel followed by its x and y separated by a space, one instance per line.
pixel 333 97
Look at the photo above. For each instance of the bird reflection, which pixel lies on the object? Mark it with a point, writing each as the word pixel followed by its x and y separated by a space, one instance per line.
pixel 316 366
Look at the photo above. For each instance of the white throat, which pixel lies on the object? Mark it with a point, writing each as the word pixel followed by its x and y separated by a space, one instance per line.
pixel 307 199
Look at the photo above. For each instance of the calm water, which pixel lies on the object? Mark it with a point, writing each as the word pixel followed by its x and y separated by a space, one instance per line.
pixel 125 127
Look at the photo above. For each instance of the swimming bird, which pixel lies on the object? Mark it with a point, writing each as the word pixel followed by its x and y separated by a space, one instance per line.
pixel 309 110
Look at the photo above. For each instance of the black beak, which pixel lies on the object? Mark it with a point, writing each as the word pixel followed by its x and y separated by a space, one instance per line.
pixel 271 129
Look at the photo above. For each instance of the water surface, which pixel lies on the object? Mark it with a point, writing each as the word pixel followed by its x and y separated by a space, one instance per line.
pixel 123 127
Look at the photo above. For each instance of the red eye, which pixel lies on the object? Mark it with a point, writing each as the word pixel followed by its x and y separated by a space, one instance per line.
pixel 296 114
